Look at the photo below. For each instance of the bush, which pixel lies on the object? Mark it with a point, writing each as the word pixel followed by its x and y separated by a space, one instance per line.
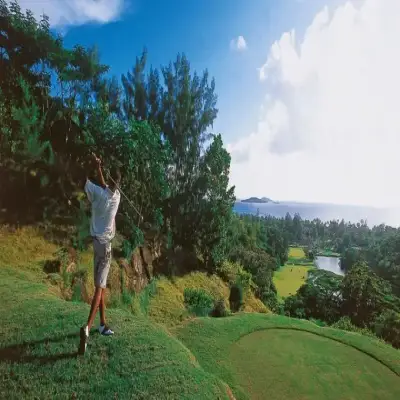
pixel 318 322
pixel 145 296
pixel 198 302
pixel 387 327
pixel 236 297
pixel 294 307
pixel 219 310
pixel 233 272
pixel 269 298
pixel 345 324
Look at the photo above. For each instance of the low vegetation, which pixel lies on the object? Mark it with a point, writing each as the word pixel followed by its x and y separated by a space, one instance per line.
pixel 145 361
pixel 277 357
pixel 39 339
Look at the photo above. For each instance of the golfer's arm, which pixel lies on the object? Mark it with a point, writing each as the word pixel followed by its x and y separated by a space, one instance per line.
pixel 101 177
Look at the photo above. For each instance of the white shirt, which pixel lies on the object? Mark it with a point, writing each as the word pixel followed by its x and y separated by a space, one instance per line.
pixel 104 208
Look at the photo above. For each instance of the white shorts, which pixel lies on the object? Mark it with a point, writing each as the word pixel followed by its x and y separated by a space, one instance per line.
pixel 102 262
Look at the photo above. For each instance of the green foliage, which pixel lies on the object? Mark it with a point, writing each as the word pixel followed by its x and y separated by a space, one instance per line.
pixel 76 292
pixel 236 300
pixel 363 294
pixel 219 310
pixel 319 298
pixel 198 302
pixel 294 307
pixel 387 326
pixel 233 272
pixel 57 106
pixel 199 203
pixel 318 322
pixel 345 324
pixel 146 294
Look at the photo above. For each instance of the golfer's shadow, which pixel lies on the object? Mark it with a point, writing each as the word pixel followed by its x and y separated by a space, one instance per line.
pixel 18 353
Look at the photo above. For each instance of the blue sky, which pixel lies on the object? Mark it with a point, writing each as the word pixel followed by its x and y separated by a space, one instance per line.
pixel 203 31
pixel 308 89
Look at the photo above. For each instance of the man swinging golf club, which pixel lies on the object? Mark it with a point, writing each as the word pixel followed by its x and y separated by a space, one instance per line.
pixel 104 201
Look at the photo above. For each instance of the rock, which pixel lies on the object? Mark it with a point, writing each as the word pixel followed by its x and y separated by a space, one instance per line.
pixel 71 267
pixel 139 270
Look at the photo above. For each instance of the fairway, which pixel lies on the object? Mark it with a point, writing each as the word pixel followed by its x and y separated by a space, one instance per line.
pixel 289 278
pixel 296 252
pixel 288 364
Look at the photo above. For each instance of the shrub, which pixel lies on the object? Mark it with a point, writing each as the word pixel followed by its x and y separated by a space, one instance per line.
pixel 76 292
pixel 294 307
pixel 318 322
pixel 387 327
pixel 198 302
pixel 269 298
pixel 345 324
pixel 233 272
pixel 219 309
pixel 146 294
pixel 236 297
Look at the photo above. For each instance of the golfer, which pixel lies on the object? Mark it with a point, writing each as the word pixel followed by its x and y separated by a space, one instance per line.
pixel 104 201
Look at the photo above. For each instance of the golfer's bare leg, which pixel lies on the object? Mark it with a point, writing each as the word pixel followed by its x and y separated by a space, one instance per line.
pixel 103 308
pixel 95 306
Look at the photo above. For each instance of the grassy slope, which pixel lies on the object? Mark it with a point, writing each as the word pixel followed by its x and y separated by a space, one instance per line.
pixel 223 348
pixel 39 339
pixel 38 343
pixel 167 306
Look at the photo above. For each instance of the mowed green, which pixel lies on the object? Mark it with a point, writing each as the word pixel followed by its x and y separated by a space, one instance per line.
pixel 287 364
pixel 274 357
pixel 289 278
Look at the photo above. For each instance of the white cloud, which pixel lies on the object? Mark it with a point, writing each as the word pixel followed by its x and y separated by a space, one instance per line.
pixel 330 129
pixel 75 12
pixel 238 44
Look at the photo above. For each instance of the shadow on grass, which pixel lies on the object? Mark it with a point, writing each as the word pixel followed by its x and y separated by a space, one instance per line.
pixel 20 353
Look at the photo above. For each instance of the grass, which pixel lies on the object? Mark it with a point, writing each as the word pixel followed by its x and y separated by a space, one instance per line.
pixel 296 252
pixel 167 306
pixel 39 337
pixel 289 278
pixel 277 357
pixel 328 253
pixel 297 256
pixel 257 355
pixel 311 367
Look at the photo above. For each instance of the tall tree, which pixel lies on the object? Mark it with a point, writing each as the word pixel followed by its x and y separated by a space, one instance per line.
pixel 363 294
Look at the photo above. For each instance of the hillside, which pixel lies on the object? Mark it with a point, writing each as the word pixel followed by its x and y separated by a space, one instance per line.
pixel 39 336
pixel 255 354
pixel 258 200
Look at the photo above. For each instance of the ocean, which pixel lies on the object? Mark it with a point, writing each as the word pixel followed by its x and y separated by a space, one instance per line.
pixel 325 212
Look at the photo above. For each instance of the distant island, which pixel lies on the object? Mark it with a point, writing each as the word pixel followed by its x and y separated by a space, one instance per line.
pixel 257 200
